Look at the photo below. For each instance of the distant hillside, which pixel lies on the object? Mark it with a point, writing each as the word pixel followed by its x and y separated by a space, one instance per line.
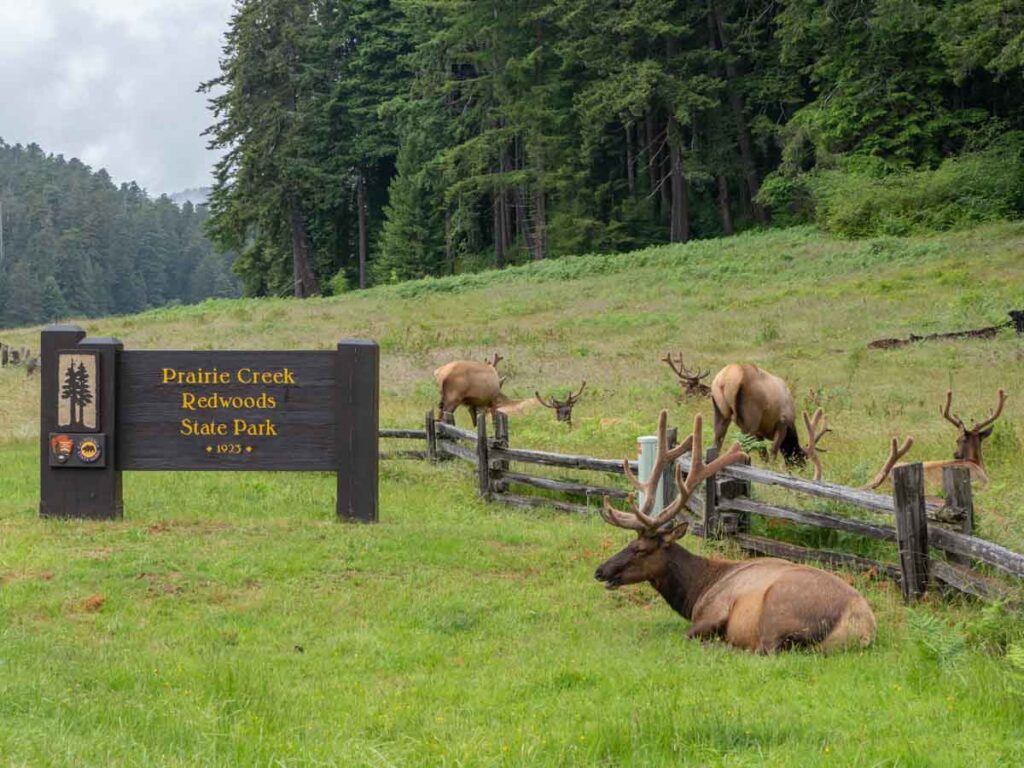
pixel 74 243
pixel 194 195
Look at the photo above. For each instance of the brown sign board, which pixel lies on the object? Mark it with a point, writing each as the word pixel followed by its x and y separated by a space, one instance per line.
pixel 106 410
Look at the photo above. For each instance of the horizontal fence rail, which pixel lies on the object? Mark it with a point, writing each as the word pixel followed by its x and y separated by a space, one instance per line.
pixel 724 508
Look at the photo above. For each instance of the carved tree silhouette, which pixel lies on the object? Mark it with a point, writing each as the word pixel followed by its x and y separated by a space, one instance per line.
pixel 77 392
pixel 69 392
pixel 84 391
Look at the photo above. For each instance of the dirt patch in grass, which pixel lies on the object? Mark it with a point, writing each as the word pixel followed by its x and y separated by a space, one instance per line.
pixel 92 604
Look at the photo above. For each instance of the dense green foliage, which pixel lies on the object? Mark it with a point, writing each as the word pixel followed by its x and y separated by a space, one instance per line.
pixel 76 244
pixel 392 139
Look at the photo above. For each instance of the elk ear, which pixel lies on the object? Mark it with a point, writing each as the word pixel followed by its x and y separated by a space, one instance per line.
pixel 984 434
pixel 672 536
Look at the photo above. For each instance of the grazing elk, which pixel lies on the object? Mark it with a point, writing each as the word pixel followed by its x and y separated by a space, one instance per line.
pixel 761 605
pixel 476 386
pixel 689 380
pixel 761 405
pixel 562 408
pixel 967 453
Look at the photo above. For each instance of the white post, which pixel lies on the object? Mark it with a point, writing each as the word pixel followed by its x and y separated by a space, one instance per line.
pixel 647 452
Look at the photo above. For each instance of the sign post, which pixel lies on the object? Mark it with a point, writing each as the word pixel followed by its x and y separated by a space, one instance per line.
pixel 105 410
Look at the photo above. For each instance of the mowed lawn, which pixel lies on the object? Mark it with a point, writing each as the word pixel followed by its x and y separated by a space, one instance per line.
pixel 230 620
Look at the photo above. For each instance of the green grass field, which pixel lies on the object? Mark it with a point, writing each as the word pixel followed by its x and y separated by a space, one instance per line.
pixel 229 620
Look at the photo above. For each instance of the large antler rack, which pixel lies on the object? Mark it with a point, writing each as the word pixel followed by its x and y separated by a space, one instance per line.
pixel 690 379
pixel 896 452
pixel 640 518
pixel 681 370
pixel 817 428
pixel 555 403
pixel 957 422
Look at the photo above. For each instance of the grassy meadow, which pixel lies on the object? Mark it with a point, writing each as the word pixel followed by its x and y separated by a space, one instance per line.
pixel 229 620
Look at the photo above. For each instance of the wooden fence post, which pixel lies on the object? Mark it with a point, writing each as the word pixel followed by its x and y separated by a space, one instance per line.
pixel 357 367
pixel 501 441
pixel 668 477
pixel 956 481
pixel 431 430
pixel 3 355
pixel 712 519
pixel 729 488
pixel 911 529
pixel 92 491
pixel 483 469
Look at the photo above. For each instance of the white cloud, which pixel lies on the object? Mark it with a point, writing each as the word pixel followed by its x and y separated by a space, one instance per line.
pixel 113 82
pixel 81 73
pixel 24 24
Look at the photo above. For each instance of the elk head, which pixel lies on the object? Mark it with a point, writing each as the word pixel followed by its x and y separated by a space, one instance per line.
pixel 647 557
pixel 562 408
pixel 817 428
pixel 689 380
pixel 968 442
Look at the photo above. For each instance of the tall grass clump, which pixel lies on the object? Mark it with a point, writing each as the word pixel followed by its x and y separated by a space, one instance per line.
pixel 857 200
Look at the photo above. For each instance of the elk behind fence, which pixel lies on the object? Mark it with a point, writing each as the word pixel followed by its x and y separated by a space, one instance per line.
pixel 726 506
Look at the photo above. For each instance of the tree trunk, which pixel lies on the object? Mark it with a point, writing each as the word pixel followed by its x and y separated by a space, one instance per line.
pixel 302 272
pixel 665 176
pixel 739 115
pixel 449 251
pixel 723 205
pixel 652 170
pixel 679 230
pixel 630 160
pixel 540 245
pixel 361 205
pixel 497 203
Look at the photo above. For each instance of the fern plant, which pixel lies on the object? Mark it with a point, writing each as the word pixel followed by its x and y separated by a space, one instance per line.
pixel 936 641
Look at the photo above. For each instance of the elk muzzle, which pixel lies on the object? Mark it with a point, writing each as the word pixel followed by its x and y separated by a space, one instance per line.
pixel 642 559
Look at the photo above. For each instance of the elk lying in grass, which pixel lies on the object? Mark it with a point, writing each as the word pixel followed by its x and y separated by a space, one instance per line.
pixel 967 453
pixel 761 405
pixel 690 380
pixel 562 408
pixel 476 386
pixel 762 605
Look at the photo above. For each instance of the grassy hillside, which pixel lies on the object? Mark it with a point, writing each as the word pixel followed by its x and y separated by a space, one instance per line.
pixel 228 620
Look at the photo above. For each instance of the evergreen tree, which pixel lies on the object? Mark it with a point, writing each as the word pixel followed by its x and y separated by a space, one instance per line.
pixel 52 304
pixel 74 243
pixel 273 89
pixel 431 136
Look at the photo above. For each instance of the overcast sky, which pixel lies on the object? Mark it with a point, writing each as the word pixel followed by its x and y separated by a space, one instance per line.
pixel 113 82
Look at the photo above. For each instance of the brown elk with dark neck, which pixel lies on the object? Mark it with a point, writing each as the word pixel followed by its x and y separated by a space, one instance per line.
pixel 691 380
pixel 762 605
pixel 761 405
pixel 967 453
pixel 475 385
pixel 562 408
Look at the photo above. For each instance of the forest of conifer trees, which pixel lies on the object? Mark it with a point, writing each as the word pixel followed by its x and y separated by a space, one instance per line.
pixel 75 244
pixel 372 141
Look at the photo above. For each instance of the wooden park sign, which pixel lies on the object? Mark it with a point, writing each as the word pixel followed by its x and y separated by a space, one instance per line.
pixel 105 410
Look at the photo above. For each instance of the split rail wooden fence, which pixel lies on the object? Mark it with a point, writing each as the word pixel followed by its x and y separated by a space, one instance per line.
pixel 934 543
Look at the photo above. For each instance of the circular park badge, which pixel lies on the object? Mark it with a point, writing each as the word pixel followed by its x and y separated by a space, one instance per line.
pixel 89 450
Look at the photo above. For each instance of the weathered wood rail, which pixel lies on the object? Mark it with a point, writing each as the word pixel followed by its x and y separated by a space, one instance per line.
pixel 935 544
